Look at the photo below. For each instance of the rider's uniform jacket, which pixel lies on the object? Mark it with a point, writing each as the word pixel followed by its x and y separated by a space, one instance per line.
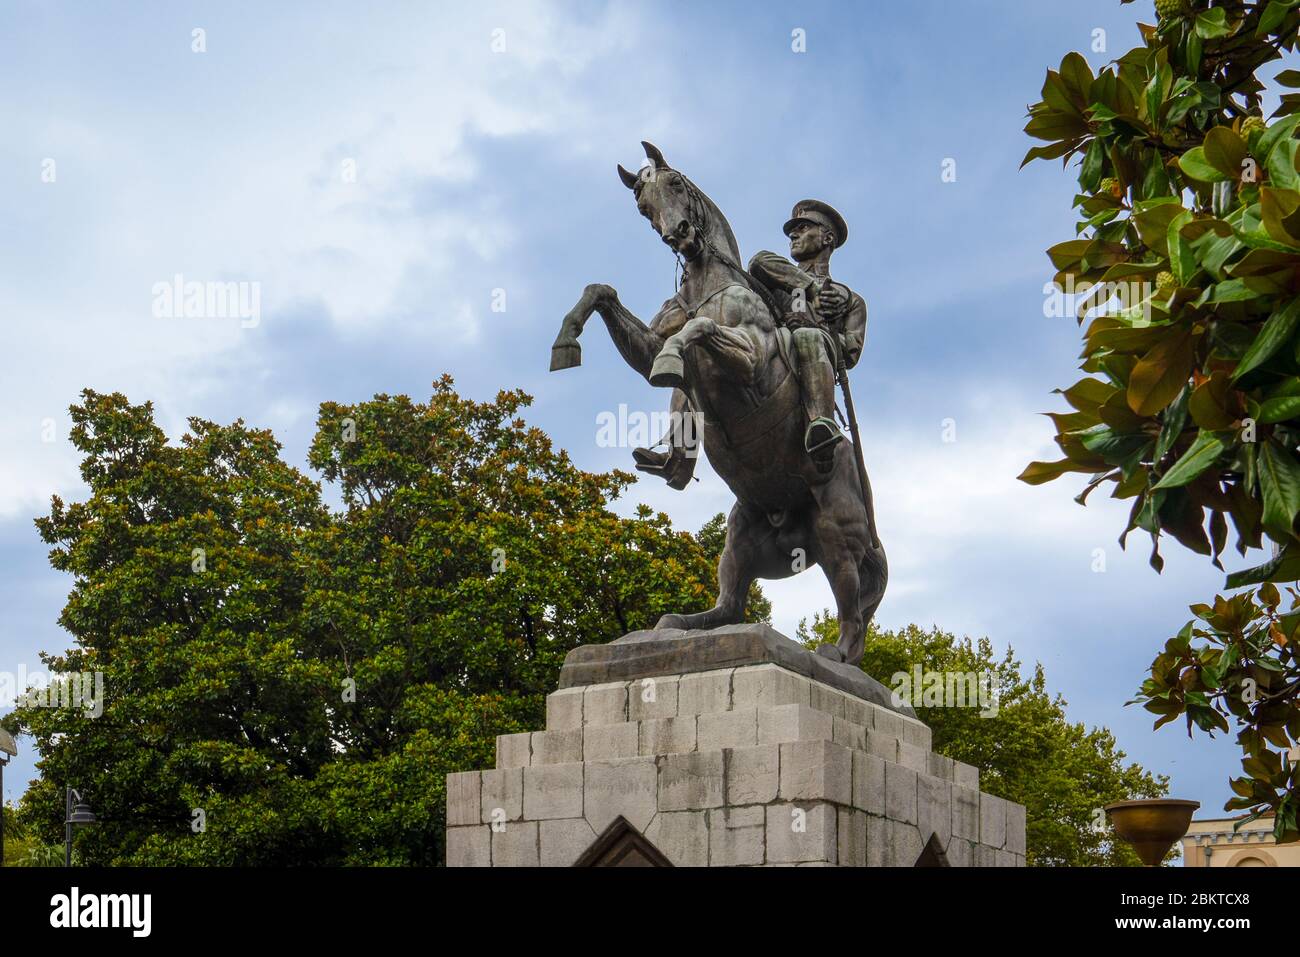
pixel 784 277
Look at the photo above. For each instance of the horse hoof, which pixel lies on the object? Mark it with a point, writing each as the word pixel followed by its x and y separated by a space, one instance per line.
pixel 667 371
pixel 830 651
pixel 670 621
pixel 565 356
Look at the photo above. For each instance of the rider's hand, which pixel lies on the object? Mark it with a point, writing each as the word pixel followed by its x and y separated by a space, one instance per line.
pixel 833 300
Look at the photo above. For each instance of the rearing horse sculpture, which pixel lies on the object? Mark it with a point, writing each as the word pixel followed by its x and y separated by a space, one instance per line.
pixel 718 341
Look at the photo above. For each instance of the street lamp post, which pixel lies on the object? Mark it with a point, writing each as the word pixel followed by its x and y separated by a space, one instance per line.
pixel 8 749
pixel 79 813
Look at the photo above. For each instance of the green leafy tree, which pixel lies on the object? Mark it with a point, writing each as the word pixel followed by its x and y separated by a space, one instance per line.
pixel 286 684
pixel 1027 752
pixel 1186 258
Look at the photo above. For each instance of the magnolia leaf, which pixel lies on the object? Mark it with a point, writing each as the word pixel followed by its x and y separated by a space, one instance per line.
pixel 1203 453
pixel 1275 332
pixel 1279 481
pixel 1161 374
pixel 1198 166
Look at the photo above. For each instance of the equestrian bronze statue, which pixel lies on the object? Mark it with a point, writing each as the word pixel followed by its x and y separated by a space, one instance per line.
pixel 753 357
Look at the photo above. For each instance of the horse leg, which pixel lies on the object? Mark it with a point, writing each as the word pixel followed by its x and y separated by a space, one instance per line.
pixel 733 351
pixel 840 528
pixel 873 574
pixel 751 547
pixel 635 341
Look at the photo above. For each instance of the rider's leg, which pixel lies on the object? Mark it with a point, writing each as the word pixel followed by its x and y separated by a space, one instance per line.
pixel 817 378
pixel 677 465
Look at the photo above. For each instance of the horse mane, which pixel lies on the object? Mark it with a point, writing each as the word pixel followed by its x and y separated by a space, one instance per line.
pixel 723 240
pixel 719 229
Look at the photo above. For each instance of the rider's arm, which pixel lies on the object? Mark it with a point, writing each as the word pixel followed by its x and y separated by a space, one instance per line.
pixel 776 272
pixel 853 333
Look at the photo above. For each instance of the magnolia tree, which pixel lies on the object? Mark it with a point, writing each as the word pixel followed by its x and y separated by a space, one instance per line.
pixel 1185 276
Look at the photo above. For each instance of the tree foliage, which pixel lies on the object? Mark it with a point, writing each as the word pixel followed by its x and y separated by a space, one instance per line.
pixel 1190 209
pixel 1028 752
pixel 289 684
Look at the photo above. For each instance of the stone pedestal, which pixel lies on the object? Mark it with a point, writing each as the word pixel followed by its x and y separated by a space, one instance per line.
pixel 756 762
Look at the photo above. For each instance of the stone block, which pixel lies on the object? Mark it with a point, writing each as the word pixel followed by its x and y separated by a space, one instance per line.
pixel 628 786
pixel 682 836
pixel 940 767
pixel 903 844
pixel 887 722
pixel 515 750
pixel 736 836
pixel 564 709
pixel 816 770
pixel 668 735
pixel 801 832
pixel 882 745
pixel 793 722
pixel 858 712
pixel 727 729
pixel 900 793
pixel 959 853
pixel 515 845
pixel 705 692
pixel 562 842
pixel 965 775
pixel 985 856
pixel 752 775
pixel 469 846
pixel 934 808
pixel 915 733
pixel 852 839
pixel 463 798
pixel 868 783
pixel 826 699
pixel 767 686
pixel 552 791
pixel 965 813
pixel 876 840
pixel 993 820
pixel 911 756
pixel 652 698
pixel 1004 858
pixel 1015 828
pixel 557 747
pixel 691 782
pixel 502 797
pixel 605 703
pixel 850 735
pixel 605 742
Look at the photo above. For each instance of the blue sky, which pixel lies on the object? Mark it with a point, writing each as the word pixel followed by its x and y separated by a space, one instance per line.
pixel 480 170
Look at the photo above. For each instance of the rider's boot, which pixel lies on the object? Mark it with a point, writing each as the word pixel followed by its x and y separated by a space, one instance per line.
pixel 820 439
pixel 682 439
pixel 674 466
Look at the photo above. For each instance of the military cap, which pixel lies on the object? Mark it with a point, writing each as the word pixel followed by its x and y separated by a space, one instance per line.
pixel 815 211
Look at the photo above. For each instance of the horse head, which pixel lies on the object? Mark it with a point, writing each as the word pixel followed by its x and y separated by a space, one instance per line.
pixel 685 219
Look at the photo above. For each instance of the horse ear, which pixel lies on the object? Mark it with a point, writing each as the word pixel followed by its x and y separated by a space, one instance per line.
pixel 629 179
pixel 652 152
